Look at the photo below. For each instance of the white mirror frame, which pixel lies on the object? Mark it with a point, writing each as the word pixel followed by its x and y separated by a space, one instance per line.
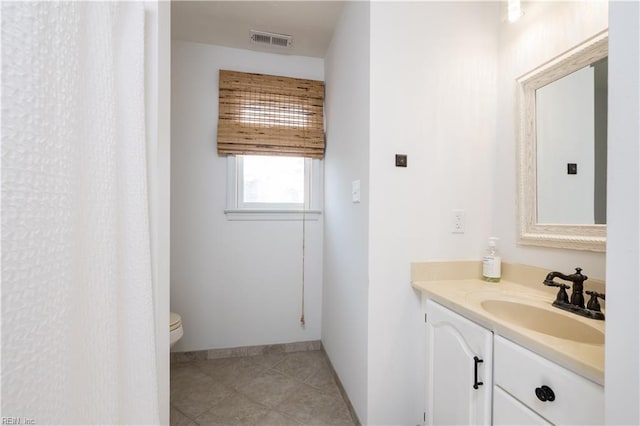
pixel 577 237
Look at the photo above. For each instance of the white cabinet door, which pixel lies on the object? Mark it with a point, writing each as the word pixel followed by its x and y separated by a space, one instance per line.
pixel 508 411
pixel 459 369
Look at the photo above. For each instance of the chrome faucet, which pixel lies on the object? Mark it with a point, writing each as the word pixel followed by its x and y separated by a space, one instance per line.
pixel 576 303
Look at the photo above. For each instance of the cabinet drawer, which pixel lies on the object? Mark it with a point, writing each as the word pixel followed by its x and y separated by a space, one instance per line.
pixel 520 371
pixel 508 411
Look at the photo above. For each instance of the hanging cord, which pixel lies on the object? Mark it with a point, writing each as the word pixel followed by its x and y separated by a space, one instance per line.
pixel 303 250
pixel 304 217
pixel 304 221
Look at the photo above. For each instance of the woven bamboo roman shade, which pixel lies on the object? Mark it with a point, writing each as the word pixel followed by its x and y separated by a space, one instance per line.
pixel 270 115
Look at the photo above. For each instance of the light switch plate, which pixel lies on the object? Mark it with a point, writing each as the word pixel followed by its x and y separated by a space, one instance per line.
pixel 355 191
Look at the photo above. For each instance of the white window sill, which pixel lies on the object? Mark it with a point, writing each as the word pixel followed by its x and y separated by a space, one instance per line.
pixel 264 214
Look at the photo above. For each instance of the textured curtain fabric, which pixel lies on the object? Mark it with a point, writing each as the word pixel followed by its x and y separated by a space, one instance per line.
pixel 77 312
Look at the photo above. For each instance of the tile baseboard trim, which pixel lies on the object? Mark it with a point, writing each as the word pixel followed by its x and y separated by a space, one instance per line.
pixel 309 345
pixel 343 392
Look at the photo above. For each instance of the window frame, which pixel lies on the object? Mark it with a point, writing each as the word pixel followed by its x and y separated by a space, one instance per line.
pixel 237 209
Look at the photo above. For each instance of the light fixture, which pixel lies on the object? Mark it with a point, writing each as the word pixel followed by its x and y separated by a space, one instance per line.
pixel 513 10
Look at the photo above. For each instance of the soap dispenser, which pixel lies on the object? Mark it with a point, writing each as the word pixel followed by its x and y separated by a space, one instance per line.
pixel 491 262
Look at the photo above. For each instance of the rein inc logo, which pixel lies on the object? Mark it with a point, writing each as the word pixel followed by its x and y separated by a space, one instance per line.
pixel 17 421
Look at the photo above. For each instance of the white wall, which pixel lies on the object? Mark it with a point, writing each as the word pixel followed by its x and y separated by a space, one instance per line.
pixel 346 275
pixel 565 134
pixel 546 30
pixel 235 283
pixel 433 89
pixel 622 370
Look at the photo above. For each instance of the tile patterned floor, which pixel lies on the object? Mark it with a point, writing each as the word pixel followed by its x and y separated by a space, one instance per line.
pixel 278 389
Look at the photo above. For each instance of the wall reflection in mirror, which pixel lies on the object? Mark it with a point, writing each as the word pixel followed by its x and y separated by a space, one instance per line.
pixel 571 129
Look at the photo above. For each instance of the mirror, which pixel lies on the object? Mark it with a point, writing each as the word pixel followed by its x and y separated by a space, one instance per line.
pixel 562 148
pixel 571 149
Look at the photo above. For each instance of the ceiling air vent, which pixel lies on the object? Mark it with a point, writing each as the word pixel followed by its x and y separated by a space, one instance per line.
pixel 271 39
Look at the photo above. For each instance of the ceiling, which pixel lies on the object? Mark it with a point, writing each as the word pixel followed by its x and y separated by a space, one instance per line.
pixel 227 23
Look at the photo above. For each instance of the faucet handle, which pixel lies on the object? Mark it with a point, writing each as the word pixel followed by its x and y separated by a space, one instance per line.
pixel 593 303
pixel 562 295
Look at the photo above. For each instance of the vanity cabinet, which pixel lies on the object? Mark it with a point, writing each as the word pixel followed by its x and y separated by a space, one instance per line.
pixel 519 387
pixel 459 362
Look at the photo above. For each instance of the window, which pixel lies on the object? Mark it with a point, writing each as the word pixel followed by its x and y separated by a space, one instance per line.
pixel 273 188
pixel 272 130
pixel 274 182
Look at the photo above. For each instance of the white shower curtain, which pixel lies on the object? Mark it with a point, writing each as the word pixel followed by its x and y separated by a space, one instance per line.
pixel 77 314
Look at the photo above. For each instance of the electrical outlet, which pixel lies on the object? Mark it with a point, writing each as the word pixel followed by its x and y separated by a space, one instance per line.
pixel 457 221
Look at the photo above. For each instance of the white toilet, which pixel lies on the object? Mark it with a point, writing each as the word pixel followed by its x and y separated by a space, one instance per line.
pixel 175 328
